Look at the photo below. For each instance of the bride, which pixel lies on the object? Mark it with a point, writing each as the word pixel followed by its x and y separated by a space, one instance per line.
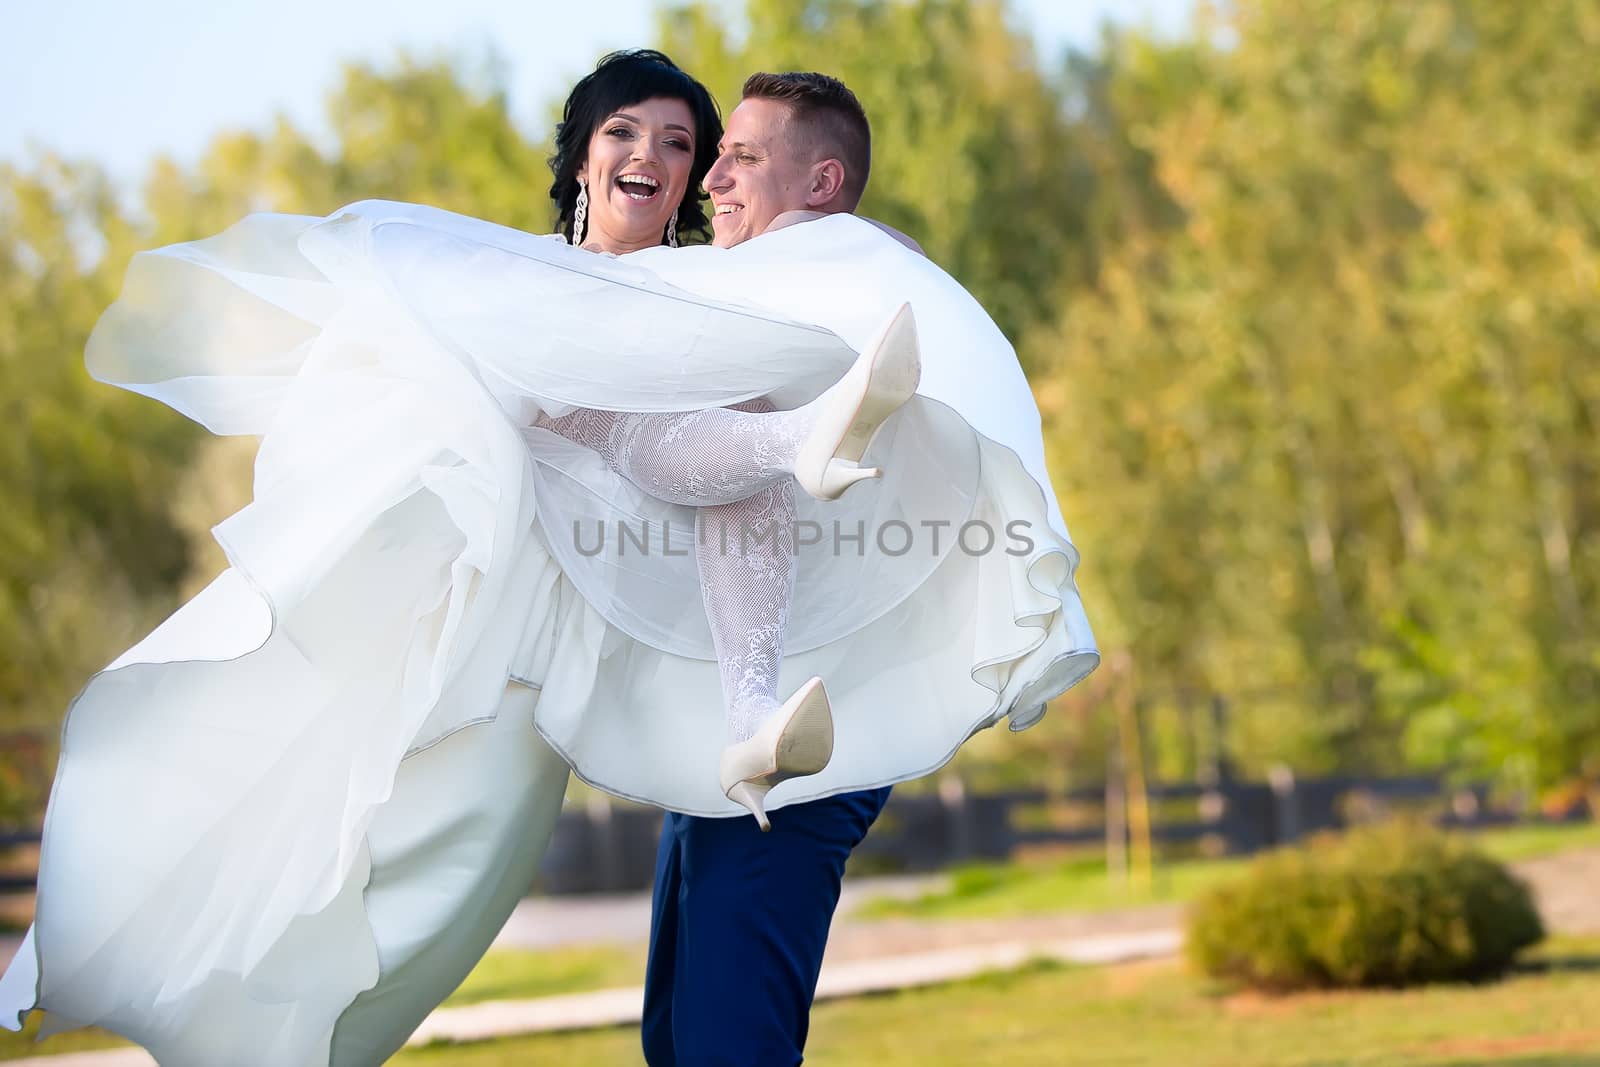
pixel 288 822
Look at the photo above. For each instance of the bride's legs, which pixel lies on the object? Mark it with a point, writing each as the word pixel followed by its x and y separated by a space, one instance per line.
pixel 730 465
pixel 745 551
pixel 696 458
pixel 719 455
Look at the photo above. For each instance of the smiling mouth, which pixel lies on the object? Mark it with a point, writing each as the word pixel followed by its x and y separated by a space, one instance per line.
pixel 639 187
pixel 728 209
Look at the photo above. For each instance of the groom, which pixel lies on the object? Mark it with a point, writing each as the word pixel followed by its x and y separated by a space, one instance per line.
pixel 740 917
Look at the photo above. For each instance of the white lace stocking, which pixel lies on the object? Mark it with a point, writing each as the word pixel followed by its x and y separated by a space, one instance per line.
pixel 746 555
pixel 712 456
pixel 732 465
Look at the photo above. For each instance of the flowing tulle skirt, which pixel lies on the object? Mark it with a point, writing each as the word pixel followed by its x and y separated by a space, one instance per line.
pixel 287 823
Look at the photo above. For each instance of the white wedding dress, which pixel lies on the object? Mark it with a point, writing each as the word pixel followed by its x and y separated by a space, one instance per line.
pixel 288 822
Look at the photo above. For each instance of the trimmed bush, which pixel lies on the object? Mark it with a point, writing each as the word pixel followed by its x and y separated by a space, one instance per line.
pixel 1391 905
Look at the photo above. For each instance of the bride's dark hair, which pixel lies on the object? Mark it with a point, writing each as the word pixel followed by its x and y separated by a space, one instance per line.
pixel 621 79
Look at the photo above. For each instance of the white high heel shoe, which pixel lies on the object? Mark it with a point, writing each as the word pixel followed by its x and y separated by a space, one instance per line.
pixel 797 740
pixel 853 409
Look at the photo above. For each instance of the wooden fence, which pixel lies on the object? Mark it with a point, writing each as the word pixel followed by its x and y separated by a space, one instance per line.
pixel 604 847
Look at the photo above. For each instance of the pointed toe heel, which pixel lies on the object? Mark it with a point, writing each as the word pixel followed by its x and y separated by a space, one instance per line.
pixel 853 410
pixel 796 741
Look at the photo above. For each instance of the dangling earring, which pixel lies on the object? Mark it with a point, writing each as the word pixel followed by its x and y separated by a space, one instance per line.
pixel 672 230
pixel 580 213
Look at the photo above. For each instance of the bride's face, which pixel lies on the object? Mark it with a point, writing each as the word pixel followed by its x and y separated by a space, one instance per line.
pixel 637 170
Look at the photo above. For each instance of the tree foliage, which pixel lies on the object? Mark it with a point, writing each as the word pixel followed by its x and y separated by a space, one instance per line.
pixel 85 472
pixel 1308 298
pixel 1341 413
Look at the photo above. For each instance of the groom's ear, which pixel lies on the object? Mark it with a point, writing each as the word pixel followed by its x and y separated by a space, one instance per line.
pixel 827 185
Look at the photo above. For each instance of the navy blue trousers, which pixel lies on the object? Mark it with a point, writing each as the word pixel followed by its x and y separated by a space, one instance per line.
pixel 739 922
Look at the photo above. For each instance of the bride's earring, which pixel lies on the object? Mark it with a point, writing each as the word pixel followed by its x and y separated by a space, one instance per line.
pixel 580 213
pixel 672 230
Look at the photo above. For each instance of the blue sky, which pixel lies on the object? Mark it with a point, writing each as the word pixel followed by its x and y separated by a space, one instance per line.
pixel 119 82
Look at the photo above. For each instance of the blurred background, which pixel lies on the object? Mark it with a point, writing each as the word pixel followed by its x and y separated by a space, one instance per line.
pixel 1306 289
pixel 1309 294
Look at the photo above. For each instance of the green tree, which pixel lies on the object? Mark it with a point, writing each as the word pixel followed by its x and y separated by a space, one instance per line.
pixel 85 471
pixel 1329 434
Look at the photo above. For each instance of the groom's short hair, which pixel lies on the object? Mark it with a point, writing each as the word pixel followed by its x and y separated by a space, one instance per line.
pixel 826 118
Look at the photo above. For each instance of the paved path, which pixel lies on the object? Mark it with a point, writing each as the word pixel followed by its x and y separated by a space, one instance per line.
pixel 623 1007
pixel 624 918
pixel 1567 886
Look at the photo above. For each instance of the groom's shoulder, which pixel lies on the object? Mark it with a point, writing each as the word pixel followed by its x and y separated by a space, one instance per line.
pixel 794 218
pixel 904 239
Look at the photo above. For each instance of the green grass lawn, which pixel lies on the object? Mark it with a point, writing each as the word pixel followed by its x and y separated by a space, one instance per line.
pixel 1531 842
pixel 1154 1013
pixel 514 974
pixel 18 1046
pixel 1082 884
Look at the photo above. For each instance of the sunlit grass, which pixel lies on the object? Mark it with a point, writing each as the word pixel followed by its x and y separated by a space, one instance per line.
pixel 1081 883
pixel 19 1046
pixel 1156 1014
pixel 514 974
pixel 1530 842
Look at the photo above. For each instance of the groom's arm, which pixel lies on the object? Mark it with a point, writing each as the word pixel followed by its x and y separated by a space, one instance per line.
pixel 789 218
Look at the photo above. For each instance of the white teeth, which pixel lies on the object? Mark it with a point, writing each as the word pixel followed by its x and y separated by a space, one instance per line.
pixel 640 181
pixel 728 209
